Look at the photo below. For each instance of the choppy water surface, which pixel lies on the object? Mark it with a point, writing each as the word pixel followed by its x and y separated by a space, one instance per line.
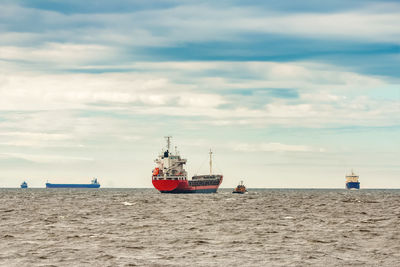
pixel 116 227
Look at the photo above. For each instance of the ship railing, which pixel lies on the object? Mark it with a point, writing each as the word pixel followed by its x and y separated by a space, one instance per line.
pixel 206 177
pixel 169 178
pixel 204 182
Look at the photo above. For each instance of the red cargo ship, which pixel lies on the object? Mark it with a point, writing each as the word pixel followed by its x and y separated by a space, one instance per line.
pixel 170 177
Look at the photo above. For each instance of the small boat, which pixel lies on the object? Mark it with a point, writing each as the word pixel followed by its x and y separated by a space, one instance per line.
pixel 352 182
pixel 240 189
pixel 24 185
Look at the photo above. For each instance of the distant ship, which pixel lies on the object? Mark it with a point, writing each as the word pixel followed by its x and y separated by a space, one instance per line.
pixel 93 184
pixel 24 185
pixel 240 189
pixel 352 181
pixel 170 177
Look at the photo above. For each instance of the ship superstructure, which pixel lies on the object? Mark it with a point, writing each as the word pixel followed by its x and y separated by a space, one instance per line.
pixel 352 181
pixel 169 176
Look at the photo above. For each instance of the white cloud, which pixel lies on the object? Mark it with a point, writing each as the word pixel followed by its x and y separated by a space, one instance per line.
pixel 37 136
pixel 273 147
pixel 347 25
pixel 185 23
pixel 31 139
pixel 327 95
pixel 199 23
pixel 201 100
pixel 44 158
pixel 57 54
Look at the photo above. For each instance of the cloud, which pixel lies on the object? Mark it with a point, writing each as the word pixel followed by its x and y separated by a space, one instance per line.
pixel 103 83
pixel 273 147
pixel 56 54
pixel 38 136
pixel 36 139
pixel 193 22
pixel 43 158
pixel 324 94
pixel 49 38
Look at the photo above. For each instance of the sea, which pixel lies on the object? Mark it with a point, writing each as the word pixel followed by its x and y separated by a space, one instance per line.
pixel 142 227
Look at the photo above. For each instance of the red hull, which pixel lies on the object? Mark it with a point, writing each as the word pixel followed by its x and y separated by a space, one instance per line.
pixel 182 186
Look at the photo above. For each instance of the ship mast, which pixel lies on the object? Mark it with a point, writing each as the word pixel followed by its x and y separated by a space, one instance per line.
pixel 210 162
pixel 168 141
pixel 167 154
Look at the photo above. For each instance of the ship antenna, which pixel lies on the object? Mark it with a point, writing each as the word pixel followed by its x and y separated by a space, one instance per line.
pixel 210 162
pixel 168 141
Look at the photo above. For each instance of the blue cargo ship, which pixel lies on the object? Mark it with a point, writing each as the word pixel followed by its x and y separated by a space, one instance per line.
pixel 352 181
pixel 93 184
pixel 24 185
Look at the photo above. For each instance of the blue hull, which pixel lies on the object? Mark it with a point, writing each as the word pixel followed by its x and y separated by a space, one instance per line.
pixel 200 191
pixel 24 186
pixel 48 185
pixel 353 185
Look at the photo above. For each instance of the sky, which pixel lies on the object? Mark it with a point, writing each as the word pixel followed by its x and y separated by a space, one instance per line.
pixel 288 94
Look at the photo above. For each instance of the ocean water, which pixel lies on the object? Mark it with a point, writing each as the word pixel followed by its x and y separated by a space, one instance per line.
pixel 141 227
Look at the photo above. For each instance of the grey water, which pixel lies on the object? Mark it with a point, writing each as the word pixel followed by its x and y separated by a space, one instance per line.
pixel 141 227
